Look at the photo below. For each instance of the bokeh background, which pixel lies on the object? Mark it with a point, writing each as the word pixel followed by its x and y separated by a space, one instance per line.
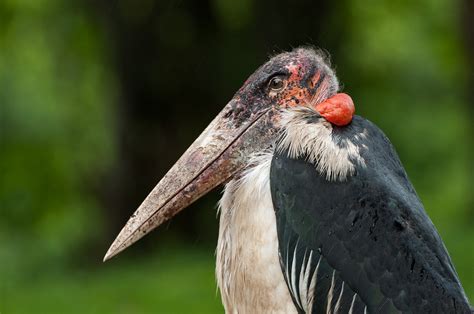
pixel 99 98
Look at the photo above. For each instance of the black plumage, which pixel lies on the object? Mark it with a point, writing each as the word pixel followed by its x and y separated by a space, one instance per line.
pixel 369 233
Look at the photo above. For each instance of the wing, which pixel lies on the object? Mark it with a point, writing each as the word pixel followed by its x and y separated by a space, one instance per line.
pixel 363 245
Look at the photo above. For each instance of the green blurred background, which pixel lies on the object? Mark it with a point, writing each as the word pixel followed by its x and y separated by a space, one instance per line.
pixel 99 98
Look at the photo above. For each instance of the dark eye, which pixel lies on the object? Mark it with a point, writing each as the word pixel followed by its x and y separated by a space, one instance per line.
pixel 276 84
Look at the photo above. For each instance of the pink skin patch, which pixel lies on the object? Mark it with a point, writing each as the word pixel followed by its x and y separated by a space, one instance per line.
pixel 294 70
pixel 338 109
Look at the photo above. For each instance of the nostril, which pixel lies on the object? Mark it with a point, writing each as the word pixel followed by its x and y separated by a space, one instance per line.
pixel 228 113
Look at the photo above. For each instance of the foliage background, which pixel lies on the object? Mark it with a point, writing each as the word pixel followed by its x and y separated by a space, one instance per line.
pixel 99 98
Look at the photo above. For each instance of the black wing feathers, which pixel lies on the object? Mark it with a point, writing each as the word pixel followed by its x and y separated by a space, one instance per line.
pixel 370 233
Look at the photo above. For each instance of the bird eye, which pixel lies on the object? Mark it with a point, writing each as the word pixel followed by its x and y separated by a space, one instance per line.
pixel 276 84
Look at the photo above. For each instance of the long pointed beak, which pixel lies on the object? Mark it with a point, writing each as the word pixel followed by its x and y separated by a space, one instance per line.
pixel 218 153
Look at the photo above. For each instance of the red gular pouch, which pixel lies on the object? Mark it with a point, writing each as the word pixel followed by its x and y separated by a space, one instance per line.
pixel 338 109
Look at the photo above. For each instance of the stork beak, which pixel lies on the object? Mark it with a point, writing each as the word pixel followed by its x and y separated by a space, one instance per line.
pixel 218 153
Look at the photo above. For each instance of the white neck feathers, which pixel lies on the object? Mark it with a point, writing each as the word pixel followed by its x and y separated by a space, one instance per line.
pixel 305 133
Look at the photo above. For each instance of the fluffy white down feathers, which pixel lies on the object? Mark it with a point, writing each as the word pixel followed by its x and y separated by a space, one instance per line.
pixel 302 136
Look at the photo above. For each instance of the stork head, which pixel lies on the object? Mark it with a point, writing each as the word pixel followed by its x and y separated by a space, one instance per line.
pixel 248 124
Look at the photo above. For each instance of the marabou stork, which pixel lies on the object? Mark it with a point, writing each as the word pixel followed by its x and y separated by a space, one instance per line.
pixel 318 214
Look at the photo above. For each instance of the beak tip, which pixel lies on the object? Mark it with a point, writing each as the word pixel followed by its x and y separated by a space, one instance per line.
pixel 117 246
pixel 127 236
pixel 107 256
pixel 111 252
